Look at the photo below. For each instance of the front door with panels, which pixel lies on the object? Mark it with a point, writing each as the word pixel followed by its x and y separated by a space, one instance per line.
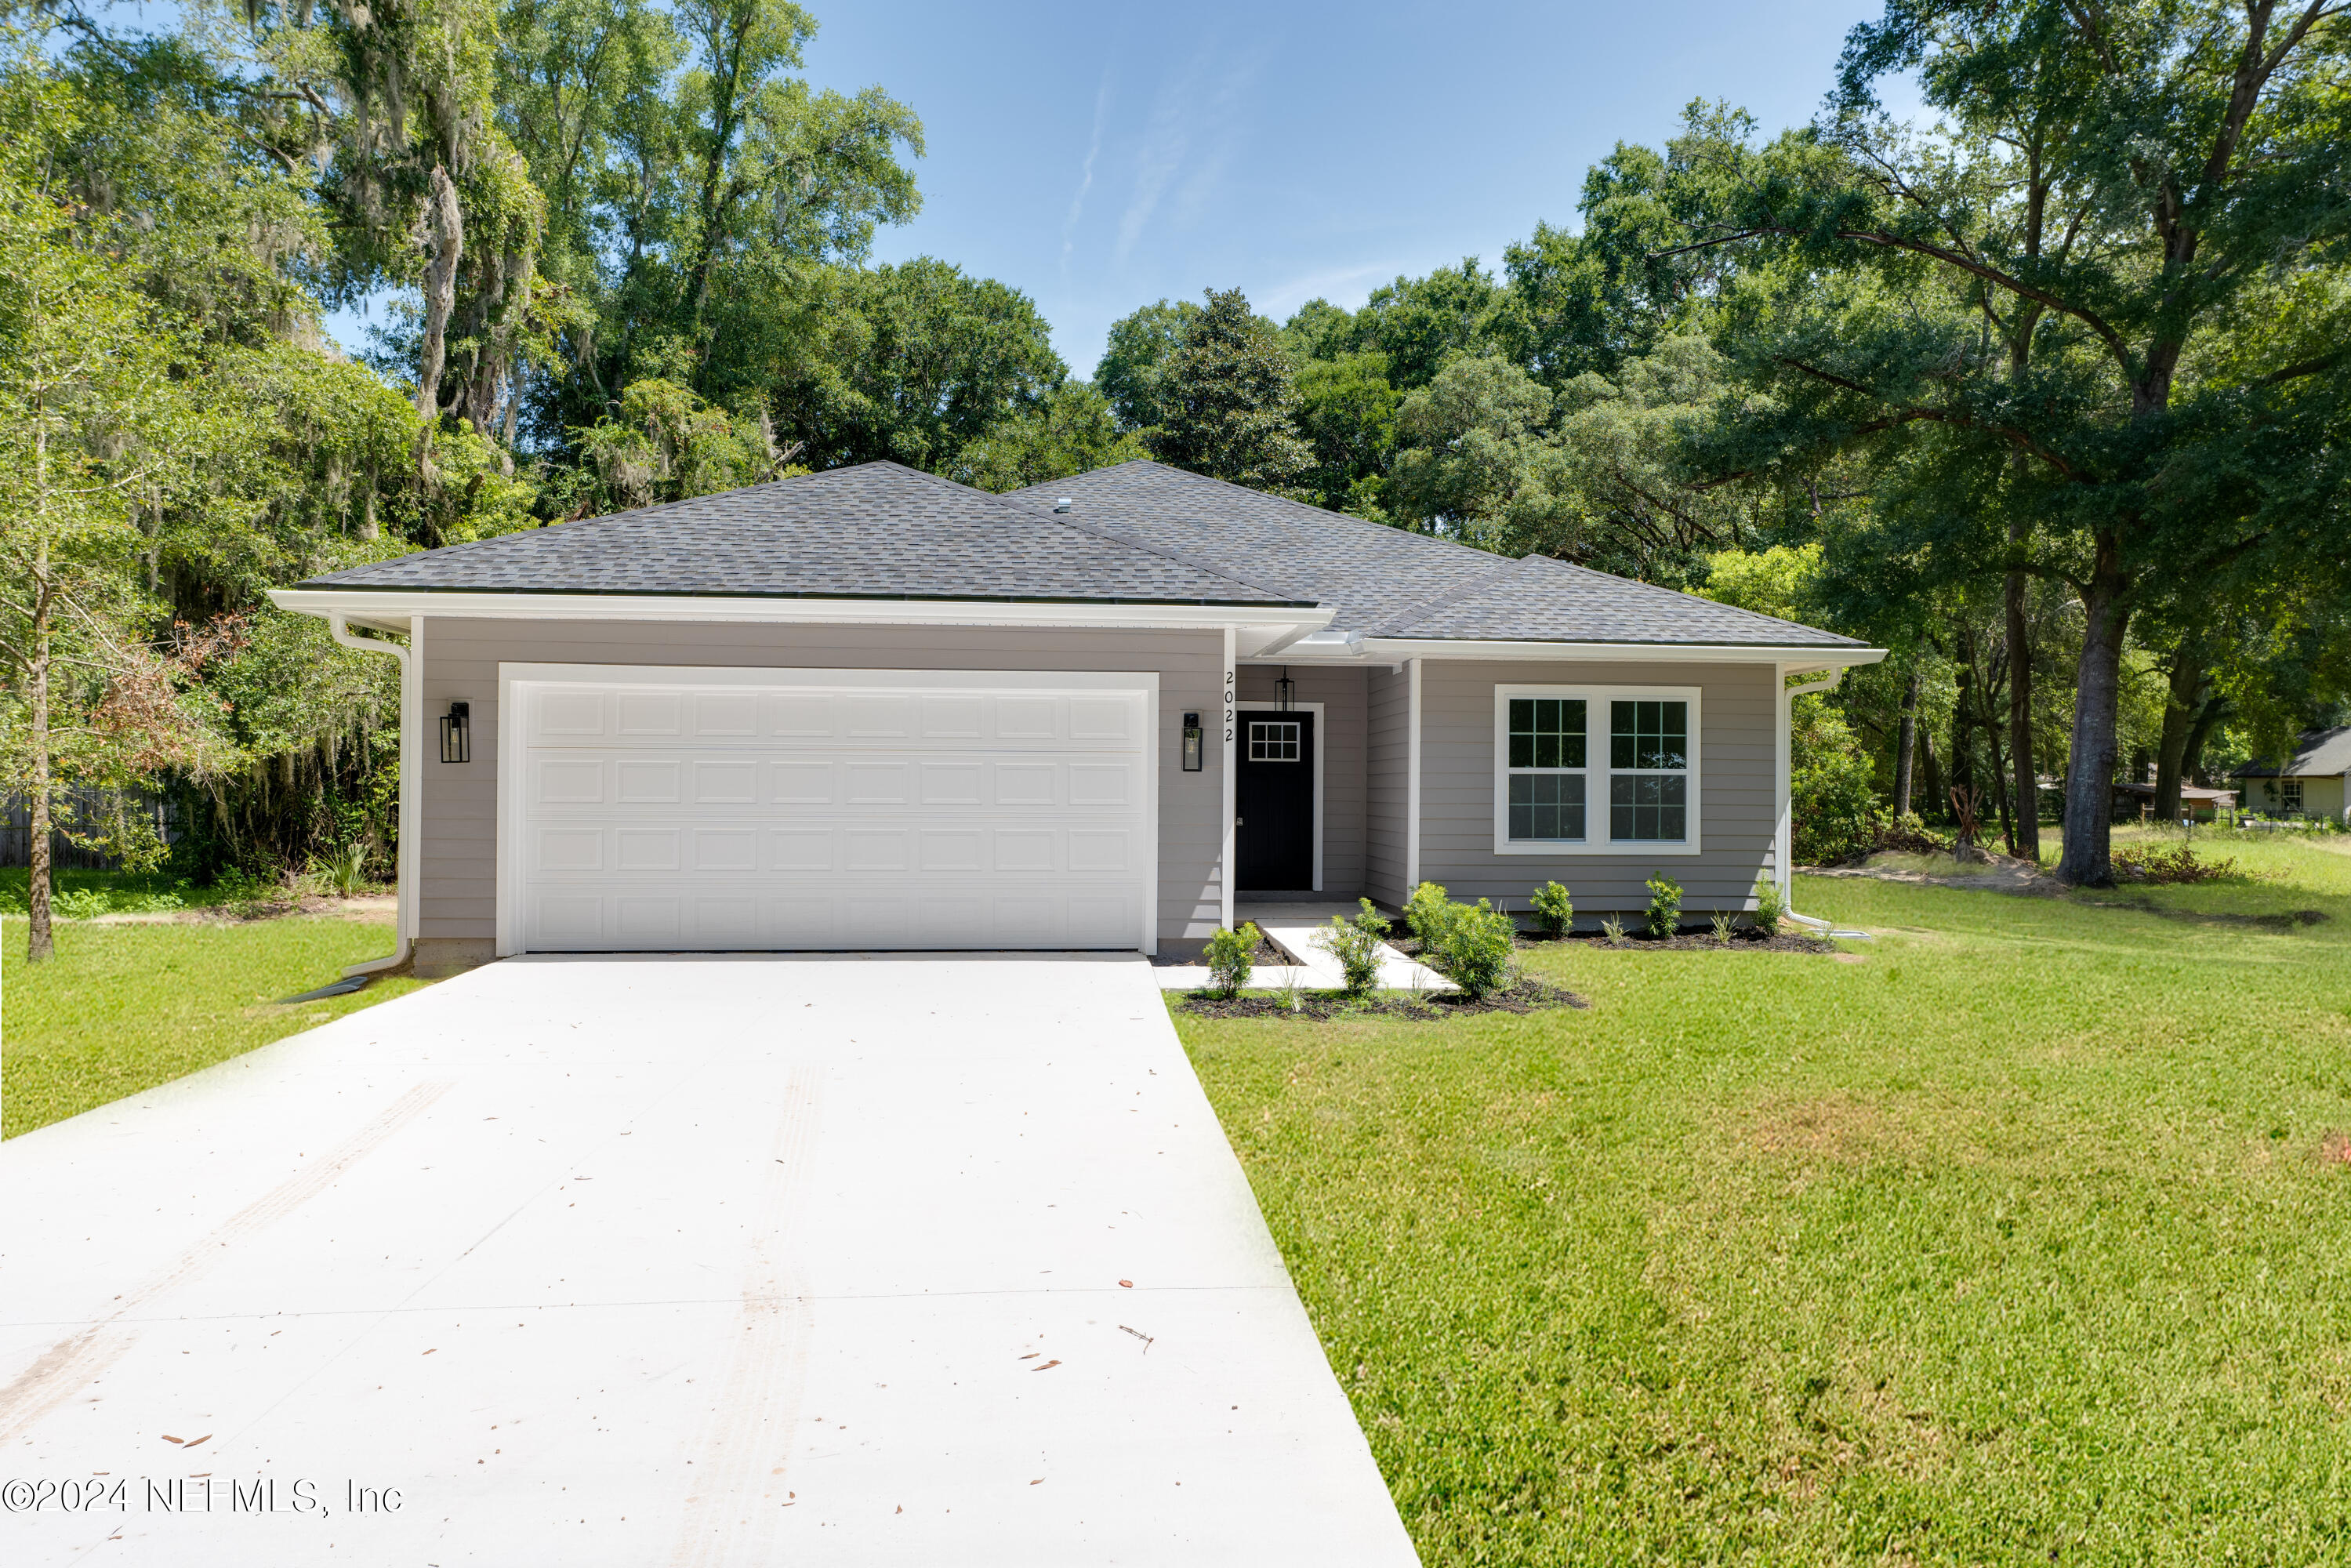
pixel 1273 802
pixel 776 809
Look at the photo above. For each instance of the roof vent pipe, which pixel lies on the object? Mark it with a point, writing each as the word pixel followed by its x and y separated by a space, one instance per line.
pixel 1063 505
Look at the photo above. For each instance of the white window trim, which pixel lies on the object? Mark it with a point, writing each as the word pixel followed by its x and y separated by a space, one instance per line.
pixel 1596 841
pixel 1315 709
pixel 521 682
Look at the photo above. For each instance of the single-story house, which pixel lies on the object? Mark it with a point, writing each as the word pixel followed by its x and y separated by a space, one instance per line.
pixel 871 708
pixel 2136 797
pixel 2316 781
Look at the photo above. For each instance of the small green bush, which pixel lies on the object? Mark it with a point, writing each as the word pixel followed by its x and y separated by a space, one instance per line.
pixel 1477 947
pixel 1355 944
pixel 1611 931
pixel 1554 911
pixel 345 870
pixel 1722 926
pixel 1770 906
pixel 1427 914
pixel 1664 916
pixel 1232 954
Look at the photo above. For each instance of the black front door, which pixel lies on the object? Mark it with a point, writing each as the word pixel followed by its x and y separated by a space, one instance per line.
pixel 1273 797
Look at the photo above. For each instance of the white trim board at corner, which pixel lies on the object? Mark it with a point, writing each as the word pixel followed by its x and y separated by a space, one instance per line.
pixel 1264 627
pixel 1320 736
pixel 517 682
pixel 1596 806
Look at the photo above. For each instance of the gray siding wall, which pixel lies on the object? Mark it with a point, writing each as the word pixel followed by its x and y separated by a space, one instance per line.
pixel 1387 792
pixel 1737 798
pixel 1341 693
pixel 458 875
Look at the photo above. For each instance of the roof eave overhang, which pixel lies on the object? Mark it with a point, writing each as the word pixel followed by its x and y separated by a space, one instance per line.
pixel 1260 626
pixel 1793 657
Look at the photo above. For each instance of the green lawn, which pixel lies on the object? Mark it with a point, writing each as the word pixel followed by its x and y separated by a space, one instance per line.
pixel 124 1008
pixel 2024 1237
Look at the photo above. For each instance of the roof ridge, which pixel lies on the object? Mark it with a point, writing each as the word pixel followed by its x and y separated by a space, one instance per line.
pixel 1264 495
pixel 1066 520
pixel 1403 618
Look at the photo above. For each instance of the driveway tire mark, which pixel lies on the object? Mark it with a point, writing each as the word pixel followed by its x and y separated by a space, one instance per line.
pixel 743 1456
pixel 68 1366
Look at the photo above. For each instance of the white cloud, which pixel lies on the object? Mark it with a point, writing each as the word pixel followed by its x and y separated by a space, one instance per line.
pixel 1086 171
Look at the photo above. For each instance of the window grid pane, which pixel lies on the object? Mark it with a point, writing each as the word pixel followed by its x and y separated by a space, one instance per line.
pixel 1648 806
pixel 1547 732
pixel 1547 806
pixel 1648 735
pixel 1273 742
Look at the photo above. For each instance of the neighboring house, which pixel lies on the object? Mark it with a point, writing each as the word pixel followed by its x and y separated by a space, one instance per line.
pixel 2316 781
pixel 2136 799
pixel 871 708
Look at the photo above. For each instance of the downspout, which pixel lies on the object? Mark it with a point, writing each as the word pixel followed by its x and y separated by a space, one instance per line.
pixel 1784 849
pixel 410 779
pixel 1224 863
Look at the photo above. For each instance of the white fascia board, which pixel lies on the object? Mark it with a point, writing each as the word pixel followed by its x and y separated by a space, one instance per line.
pixel 1390 650
pixel 1259 625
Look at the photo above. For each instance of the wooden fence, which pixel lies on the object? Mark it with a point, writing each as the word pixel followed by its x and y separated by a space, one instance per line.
pixel 85 805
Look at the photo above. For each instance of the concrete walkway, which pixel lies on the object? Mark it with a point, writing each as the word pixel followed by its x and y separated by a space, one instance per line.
pixel 899 1259
pixel 1291 927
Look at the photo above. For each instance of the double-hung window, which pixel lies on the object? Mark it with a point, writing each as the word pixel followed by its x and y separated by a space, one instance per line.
pixel 1547 752
pixel 1595 769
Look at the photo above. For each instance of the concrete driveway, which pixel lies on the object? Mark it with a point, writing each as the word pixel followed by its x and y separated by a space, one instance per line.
pixel 890 1260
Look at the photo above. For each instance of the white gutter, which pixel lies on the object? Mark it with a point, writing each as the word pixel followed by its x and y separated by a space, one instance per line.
pixel 1392 649
pixel 1260 626
pixel 412 780
pixel 1412 779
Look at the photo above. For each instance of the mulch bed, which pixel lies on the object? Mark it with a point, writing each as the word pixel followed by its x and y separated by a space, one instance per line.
pixel 1526 997
pixel 1688 939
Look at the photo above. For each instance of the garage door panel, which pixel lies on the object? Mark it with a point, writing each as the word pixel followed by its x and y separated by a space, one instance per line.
pixel 651 783
pixel 754 818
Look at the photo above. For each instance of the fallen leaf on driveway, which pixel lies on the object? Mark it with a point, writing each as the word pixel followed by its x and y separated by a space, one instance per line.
pixel 1047 1366
pixel 194 1441
pixel 430 1352
pixel 169 1438
pixel 1038 1482
pixel 1030 1356
pixel 1126 1284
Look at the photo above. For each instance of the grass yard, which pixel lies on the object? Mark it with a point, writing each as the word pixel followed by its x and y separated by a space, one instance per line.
pixel 124 1008
pixel 2022 1235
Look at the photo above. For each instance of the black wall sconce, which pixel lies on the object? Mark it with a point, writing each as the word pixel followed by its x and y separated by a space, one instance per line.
pixel 1192 739
pixel 1287 689
pixel 457 734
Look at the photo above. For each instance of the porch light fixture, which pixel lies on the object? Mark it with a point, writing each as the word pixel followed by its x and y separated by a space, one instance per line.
pixel 1287 689
pixel 457 734
pixel 1192 743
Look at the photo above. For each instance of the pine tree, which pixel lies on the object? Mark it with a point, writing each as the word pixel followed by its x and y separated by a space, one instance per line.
pixel 1226 398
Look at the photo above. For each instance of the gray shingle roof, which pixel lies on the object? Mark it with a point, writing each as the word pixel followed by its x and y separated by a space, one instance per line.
pixel 2319 751
pixel 1389 583
pixel 877 530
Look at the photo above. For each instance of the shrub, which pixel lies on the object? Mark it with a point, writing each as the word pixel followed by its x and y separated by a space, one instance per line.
pixel 1722 925
pixel 1232 954
pixel 1477 947
pixel 1611 931
pixel 345 870
pixel 1770 906
pixel 1664 916
pixel 2140 864
pixel 1829 783
pixel 1355 944
pixel 1426 913
pixel 1554 911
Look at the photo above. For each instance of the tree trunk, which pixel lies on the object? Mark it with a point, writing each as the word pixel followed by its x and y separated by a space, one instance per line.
pixel 1906 748
pixel 2027 837
pixel 1963 716
pixel 446 223
pixel 2090 769
pixel 2179 713
pixel 2208 718
pixel 38 942
pixel 1937 799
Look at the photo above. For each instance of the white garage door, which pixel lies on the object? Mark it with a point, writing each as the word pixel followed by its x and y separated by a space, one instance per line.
pixel 771 810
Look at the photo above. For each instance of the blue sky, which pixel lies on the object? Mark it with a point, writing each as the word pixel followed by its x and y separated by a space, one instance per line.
pixel 1102 155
